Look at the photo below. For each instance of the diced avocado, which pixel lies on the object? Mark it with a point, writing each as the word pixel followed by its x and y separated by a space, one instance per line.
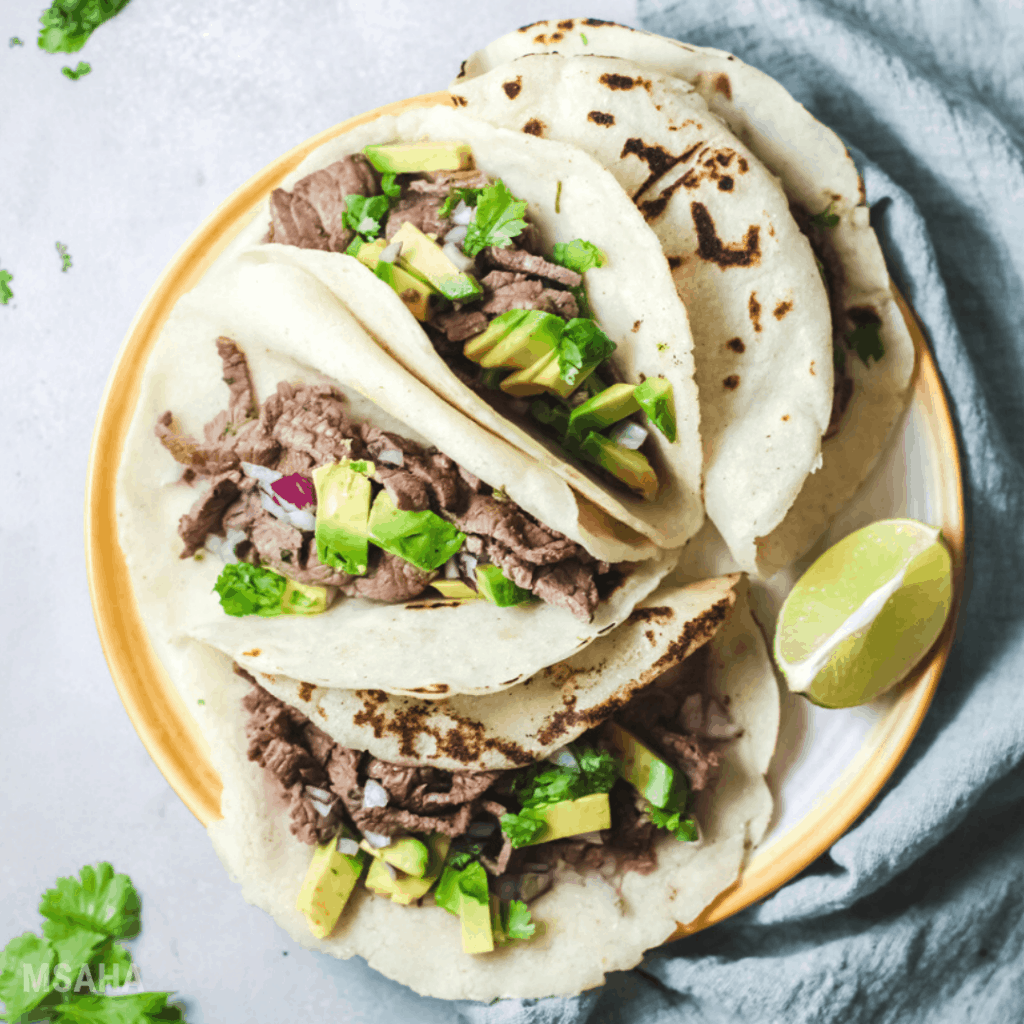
pixel 532 338
pixel 422 538
pixel 409 157
pixel 419 296
pixel 603 409
pixel 329 882
pixel 456 589
pixel 424 258
pixel 631 467
pixel 496 330
pixel 406 888
pixel 647 773
pixel 498 588
pixel 477 936
pixel 342 514
pixel 543 375
pixel 303 599
pixel 407 854
pixel 654 396
pixel 571 817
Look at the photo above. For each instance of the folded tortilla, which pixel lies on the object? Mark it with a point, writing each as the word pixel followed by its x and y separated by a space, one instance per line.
pixel 818 174
pixel 589 926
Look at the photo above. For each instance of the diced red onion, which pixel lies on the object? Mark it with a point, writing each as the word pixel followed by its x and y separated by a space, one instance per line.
pixel 349 847
pixel 296 489
pixel 264 474
pixel 322 809
pixel 320 794
pixel 629 434
pixel 391 457
pixel 458 257
pixel 376 840
pixel 463 213
pixel 374 795
pixel 457 235
pixel 390 253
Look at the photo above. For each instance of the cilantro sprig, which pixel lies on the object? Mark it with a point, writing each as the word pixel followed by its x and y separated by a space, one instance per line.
pixel 579 255
pixel 677 822
pixel 5 287
pixel 246 589
pixel 83 68
pixel 826 218
pixel 517 922
pixel 582 346
pixel 470 196
pixel 67 24
pixel 365 215
pixel 498 219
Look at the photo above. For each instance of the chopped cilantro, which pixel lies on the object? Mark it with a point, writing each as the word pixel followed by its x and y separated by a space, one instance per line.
pixel 523 828
pixel 469 196
pixel 678 822
pixel 5 291
pixel 498 219
pixel 15 41
pixel 558 197
pixel 389 185
pixel 584 38
pixel 866 341
pixel 517 922
pixel 825 219
pixel 67 24
pixel 583 346
pixel 579 255
pixel 465 875
pixel 365 215
pixel 76 73
pixel 246 589
pixel 65 259
pixel 200 701
pixel 354 246
pixel 139 1008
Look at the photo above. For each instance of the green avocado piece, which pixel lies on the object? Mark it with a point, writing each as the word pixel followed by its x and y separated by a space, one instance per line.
pixel 533 337
pixel 498 588
pixel 631 467
pixel 654 396
pixel 328 884
pixel 420 297
pixel 498 329
pixel 304 599
pixel 422 538
pixel 571 817
pixel 342 513
pixel 407 854
pixel 647 773
pixel 475 917
pixel 424 258
pixel 410 157
pixel 603 409
pixel 456 590
pixel 405 888
pixel 545 375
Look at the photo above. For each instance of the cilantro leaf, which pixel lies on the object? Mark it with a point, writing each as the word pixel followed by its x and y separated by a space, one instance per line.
pixel 25 973
pixel 472 882
pixel 518 923
pixel 583 346
pixel 246 589
pixel 5 292
pixel 98 901
pixel 389 185
pixel 139 1008
pixel 579 255
pixel 112 967
pixel 67 24
pixel 365 215
pixel 469 196
pixel 455 880
pixel 15 41
pixel 599 767
pixel 65 259
pixel 498 219
pixel 75 74
pixel 866 341
pixel 678 822
pixel 523 828
pixel 825 219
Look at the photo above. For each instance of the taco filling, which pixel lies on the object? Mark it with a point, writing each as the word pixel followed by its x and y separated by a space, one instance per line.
pixel 510 322
pixel 484 844
pixel 304 504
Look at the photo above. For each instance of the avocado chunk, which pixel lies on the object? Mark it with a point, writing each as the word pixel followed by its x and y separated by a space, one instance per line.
pixel 533 337
pixel 407 854
pixel 304 599
pixel 456 589
pixel 342 515
pixel 631 467
pixel 571 817
pixel 647 773
pixel 498 588
pixel 404 888
pixel 498 329
pixel 603 409
pixel 418 296
pixel 654 396
pixel 329 882
pixel 422 538
pixel 410 157
pixel 477 936
pixel 424 258
pixel 543 375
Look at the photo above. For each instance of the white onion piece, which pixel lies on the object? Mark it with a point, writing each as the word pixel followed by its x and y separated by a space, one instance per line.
pixel 271 506
pixel 691 714
pixel 457 235
pixel 374 795
pixel 458 257
pixel 391 457
pixel 392 872
pixel 302 519
pixel 224 547
pixel 264 474
pixel 320 794
pixel 376 840
pixel 563 758
pixel 629 434
pixel 469 562
pixel 321 808
pixel 594 838
pixel 462 214
pixel 390 253
pixel 607 869
pixel 349 847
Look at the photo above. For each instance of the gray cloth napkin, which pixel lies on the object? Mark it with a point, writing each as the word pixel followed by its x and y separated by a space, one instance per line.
pixel 917 913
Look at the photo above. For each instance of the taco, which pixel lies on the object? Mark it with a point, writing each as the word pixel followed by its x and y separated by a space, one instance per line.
pixel 872 352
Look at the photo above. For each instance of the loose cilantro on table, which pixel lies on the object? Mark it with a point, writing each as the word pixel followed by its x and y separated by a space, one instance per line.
pixel 67 24
pixel 866 341
pixel 584 38
pixel 583 346
pixel 5 290
pixel 64 257
pixel 825 219
pixel 76 73
pixel 579 255
pixel 678 822
pixel 15 41
pixel 246 589
pixel 498 219
pixel 365 215
pixel 470 196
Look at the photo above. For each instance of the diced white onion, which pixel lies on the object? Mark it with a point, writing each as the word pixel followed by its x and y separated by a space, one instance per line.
pixel 264 474
pixel 458 257
pixel 462 214
pixel 457 235
pixel 468 561
pixel 451 568
pixel 321 808
pixel 224 547
pixel 691 714
pixel 629 434
pixel 376 840
pixel 271 506
pixel 302 519
pixel 563 758
pixel 349 847
pixel 607 869
pixel 374 794
pixel 594 838
pixel 391 457
pixel 390 253
pixel 320 794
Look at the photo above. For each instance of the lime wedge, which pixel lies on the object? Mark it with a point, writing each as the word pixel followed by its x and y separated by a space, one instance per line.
pixel 865 613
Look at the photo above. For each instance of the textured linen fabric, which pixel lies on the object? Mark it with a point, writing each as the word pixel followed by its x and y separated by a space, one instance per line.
pixel 917 913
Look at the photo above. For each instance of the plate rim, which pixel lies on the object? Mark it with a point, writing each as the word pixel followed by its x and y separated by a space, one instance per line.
pixel 165 724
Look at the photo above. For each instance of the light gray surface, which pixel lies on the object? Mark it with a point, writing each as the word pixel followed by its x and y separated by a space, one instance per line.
pixel 184 103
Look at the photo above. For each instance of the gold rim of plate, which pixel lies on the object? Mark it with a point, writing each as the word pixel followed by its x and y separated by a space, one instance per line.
pixel 166 726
